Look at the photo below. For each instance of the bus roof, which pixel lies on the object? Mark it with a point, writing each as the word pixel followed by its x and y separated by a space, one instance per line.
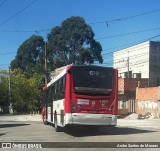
pixel 59 72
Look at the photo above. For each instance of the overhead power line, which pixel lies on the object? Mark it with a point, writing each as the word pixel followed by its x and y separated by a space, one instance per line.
pixel 130 44
pixel 2 3
pixel 3 54
pixel 4 64
pixel 112 36
pixel 126 18
pixel 113 20
pixel 26 31
pixel 135 43
pixel 135 32
pixel 10 18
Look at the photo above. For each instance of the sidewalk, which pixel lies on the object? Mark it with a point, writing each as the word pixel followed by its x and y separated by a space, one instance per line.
pixel 28 117
pixel 145 123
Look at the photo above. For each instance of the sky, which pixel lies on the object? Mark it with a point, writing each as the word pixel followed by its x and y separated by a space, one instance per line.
pixel 117 24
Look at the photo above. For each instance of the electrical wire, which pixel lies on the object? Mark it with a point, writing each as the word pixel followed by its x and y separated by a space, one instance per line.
pixel 2 3
pixel 113 20
pixel 135 32
pixel 10 18
pixel 130 44
pixel 126 18
pixel 8 53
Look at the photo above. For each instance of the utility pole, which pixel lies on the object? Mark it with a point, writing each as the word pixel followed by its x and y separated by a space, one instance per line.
pixel 45 63
pixel 9 94
pixel 128 64
pixel 45 59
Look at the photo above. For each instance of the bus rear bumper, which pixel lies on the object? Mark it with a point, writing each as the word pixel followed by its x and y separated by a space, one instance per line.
pixel 90 119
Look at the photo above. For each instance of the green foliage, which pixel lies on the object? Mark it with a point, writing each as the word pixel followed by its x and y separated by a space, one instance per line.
pixel 25 95
pixel 19 92
pixel 72 42
pixel 27 56
pixel 4 91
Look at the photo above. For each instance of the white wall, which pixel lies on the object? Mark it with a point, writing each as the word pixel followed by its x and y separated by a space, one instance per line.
pixel 138 59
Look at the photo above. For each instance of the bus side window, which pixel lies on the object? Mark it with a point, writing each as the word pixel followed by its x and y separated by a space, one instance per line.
pixel 53 92
pixel 44 98
pixel 60 85
pixel 49 96
pixel 61 88
pixel 64 83
pixel 58 89
pixel 55 96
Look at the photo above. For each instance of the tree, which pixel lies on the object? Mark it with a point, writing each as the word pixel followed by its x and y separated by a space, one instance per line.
pixel 25 95
pixel 34 103
pixel 20 92
pixel 4 93
pixel 27 57
pixel 72 42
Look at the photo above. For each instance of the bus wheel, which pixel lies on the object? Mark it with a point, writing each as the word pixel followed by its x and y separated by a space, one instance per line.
pixel 57 128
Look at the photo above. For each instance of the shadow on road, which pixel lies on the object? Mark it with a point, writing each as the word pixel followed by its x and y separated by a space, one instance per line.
pixel 11 125
pixel 81 132
pixel 1 134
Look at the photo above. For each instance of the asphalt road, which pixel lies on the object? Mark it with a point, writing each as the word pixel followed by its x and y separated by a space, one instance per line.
pixel 35 131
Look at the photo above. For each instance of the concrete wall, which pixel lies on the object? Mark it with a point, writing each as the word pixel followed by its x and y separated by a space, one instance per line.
pixel 148 100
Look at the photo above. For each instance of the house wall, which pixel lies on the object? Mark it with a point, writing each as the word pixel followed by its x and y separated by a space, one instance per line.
pixel 148 100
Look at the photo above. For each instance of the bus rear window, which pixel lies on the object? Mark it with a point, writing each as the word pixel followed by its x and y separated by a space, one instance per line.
pixel 93 79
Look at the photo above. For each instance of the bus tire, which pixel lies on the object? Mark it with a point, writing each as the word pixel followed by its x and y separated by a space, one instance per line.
pixel 57 128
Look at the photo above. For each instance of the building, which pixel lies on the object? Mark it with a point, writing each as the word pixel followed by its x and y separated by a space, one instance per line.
pixel 139 61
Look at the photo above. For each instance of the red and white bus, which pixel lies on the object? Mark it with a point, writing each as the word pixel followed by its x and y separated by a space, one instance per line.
pixel 82 95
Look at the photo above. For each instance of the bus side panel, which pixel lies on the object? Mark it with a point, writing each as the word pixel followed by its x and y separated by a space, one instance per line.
pixel 58 109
